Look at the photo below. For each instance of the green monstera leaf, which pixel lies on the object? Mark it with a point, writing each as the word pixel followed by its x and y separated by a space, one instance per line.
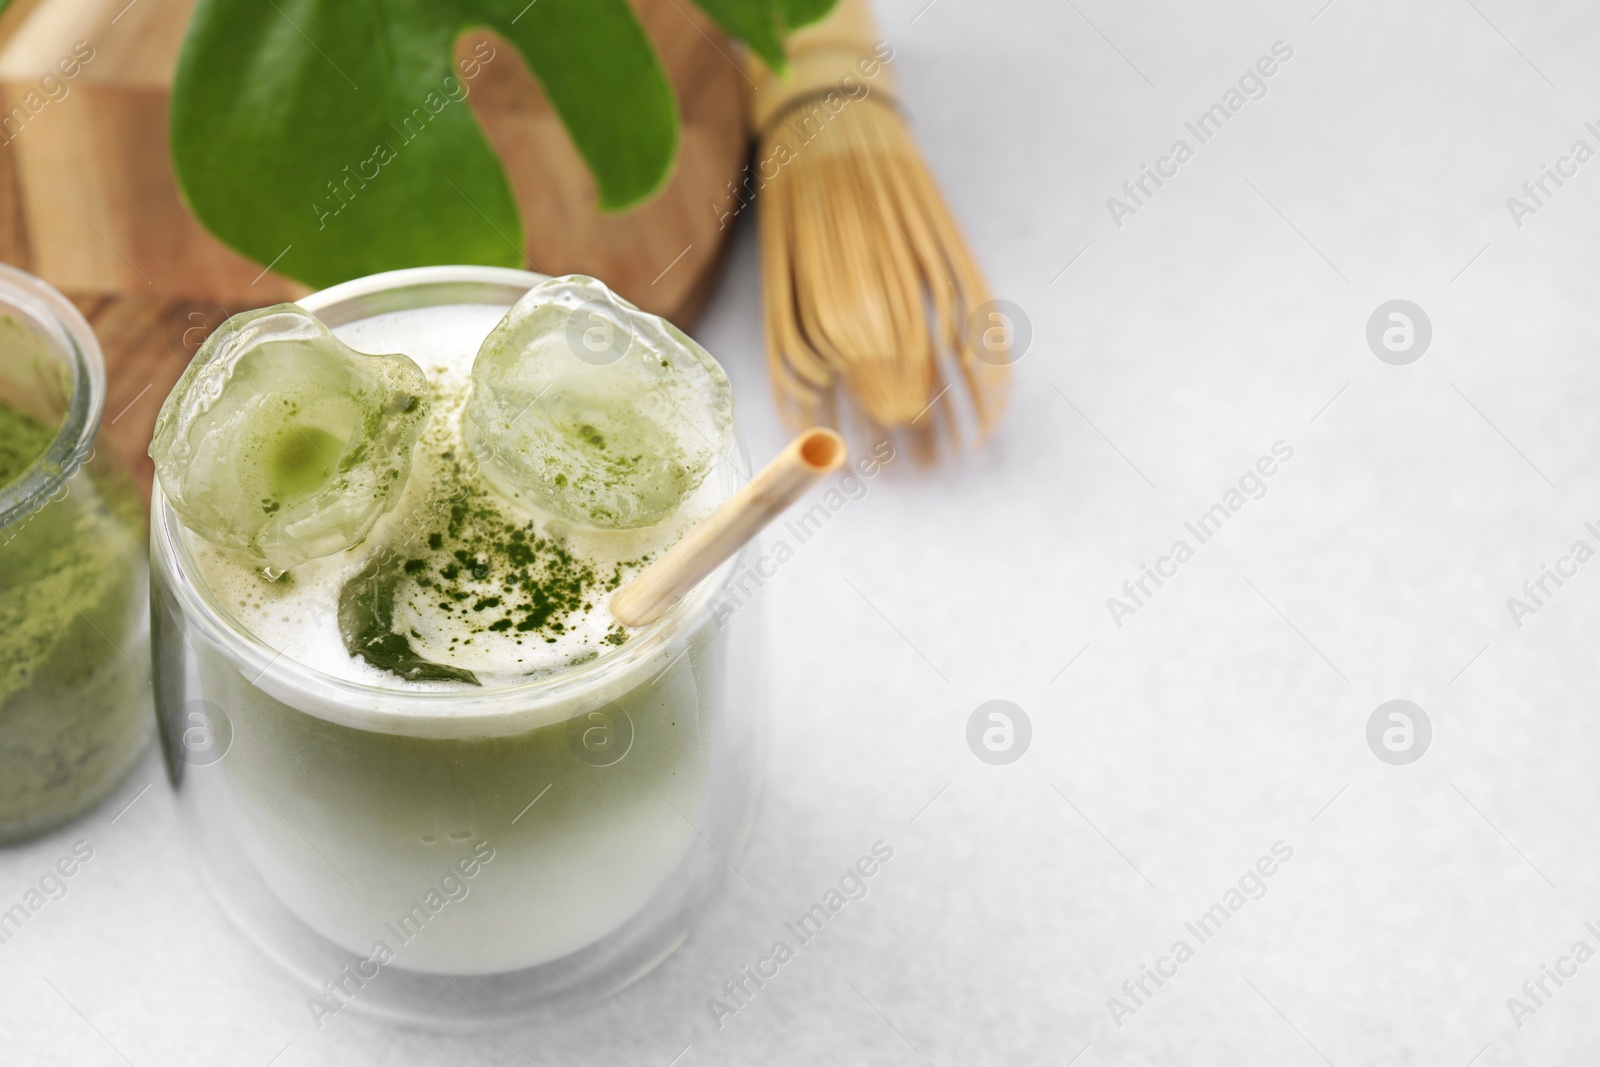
pixel 762 25
pixel 331 138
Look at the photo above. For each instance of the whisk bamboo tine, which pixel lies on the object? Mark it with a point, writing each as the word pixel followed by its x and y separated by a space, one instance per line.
pixel 869 284
pixel 986 382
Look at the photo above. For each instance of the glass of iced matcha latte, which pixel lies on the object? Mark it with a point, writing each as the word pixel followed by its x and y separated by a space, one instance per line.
pixel 74 631
pixel 428 770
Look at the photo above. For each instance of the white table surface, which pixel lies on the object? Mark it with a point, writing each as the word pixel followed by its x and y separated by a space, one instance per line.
pixel 1228 714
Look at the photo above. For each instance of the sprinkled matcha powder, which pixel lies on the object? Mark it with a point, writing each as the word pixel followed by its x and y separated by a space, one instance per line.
pixel 500 571
pixel 473 567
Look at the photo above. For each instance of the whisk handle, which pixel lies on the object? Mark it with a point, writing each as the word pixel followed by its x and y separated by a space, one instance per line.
pixel 842 52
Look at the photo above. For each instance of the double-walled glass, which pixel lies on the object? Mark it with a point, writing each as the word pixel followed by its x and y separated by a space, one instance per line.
pixel 74 629
pixel 455 855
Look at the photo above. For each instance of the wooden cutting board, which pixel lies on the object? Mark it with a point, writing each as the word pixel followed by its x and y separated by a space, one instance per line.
pixel 145 350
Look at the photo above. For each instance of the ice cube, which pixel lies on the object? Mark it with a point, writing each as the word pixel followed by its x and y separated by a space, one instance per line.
pixel 285 443
pixel 593 410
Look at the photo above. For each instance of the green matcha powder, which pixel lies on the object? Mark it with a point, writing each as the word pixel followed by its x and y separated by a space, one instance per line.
pixel 73 706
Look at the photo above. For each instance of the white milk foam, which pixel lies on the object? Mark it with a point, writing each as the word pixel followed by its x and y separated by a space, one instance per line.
pixel 300 618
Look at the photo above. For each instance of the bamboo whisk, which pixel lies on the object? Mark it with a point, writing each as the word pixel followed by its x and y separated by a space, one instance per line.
pixel 868 281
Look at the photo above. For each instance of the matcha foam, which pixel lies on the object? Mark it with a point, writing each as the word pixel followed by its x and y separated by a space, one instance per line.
pixel 458 583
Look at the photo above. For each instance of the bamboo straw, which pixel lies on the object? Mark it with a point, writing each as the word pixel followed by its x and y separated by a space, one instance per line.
pixel 868 282
pixel 743 515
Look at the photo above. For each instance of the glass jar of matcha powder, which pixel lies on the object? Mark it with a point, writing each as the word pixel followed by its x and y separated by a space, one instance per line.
pixel 74 621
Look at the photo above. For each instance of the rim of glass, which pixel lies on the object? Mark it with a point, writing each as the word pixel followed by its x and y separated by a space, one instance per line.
pixel 63 327
pixel 363 298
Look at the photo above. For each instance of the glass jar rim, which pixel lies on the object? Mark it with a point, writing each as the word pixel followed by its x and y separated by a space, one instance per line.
pixel 69 334
pixel 411 711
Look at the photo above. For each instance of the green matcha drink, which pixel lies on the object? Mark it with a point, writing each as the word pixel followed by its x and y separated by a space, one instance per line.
pixel 385 655
pixel 74 702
